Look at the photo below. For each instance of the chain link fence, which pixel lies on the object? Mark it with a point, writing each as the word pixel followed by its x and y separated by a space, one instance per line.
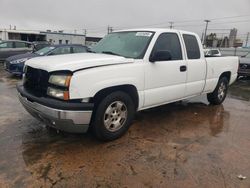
pixel 234 51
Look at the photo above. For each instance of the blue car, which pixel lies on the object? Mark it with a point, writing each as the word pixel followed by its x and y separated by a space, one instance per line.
pixel 15 64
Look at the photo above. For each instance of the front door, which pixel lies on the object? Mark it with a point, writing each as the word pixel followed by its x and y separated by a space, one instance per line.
pixel 165 81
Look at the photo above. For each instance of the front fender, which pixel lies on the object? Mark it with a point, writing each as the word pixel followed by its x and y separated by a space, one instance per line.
pixel 86 83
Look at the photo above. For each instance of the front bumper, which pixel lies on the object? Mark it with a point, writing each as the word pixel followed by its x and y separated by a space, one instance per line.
pixel 67 117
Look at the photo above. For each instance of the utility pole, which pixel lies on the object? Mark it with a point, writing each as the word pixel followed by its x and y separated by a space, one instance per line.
pixel 221 40
pixel 85 35
pixel 171 25
pixel 247 39
pixel 110 29
pixel 205 34
pixel 202 37
pixel 85 32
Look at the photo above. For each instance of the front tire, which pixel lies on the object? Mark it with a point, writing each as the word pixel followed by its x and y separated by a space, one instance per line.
pixel 219 94
pixel 113 116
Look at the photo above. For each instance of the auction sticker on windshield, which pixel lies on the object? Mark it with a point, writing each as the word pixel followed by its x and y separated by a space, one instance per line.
pixel 143 34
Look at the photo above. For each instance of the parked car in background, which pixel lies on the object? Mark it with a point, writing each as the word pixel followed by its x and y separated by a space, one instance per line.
pixel 212 53
pixel 128 71
pixel 38 45
pixel 14 47
pixel 14 64
pixel 244 67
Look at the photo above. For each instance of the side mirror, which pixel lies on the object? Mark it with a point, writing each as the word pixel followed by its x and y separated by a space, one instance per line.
pixel 161 55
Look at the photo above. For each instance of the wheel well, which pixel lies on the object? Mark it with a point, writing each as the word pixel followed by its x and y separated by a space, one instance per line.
pixel 129 89
pixel 227 75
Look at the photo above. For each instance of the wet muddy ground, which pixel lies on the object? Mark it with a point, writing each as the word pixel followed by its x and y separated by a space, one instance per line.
pixel 185 144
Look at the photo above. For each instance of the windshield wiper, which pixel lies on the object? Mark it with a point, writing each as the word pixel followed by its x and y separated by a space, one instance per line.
pixel 111 53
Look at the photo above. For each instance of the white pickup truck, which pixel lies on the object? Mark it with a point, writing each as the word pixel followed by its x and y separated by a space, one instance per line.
pixel 127 71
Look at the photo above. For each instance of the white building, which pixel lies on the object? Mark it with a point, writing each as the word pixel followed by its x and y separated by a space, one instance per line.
pixel 57 37
pixel 64 38
pixel 25 35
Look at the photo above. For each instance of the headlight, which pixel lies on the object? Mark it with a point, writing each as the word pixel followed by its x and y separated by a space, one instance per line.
pixel 60 80
pixel 19 61
pixel 58 93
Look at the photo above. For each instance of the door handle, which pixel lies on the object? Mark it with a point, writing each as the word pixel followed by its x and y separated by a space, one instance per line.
pixel 183 68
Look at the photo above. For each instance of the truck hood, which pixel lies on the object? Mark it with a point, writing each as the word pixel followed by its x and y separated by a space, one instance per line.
pixel 74 62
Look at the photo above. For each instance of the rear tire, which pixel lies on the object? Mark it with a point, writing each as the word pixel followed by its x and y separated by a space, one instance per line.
pixel 219 94
pixel 113 116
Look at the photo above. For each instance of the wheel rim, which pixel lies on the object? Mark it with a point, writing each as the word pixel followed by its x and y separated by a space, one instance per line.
pixel 222 91
pixel 115 116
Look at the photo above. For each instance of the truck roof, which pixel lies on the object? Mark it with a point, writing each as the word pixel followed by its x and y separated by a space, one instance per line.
pixel 156 30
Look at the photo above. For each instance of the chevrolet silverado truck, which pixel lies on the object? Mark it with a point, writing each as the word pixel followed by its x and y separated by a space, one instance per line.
pixel 126 72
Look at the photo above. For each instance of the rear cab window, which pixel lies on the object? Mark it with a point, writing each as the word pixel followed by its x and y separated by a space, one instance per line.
pixel 215 52
pixel 192 46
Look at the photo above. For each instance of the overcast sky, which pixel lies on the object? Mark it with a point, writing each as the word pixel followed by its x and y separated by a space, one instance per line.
pixel 96 15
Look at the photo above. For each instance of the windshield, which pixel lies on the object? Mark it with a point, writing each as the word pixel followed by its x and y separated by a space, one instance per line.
pixel 131 44
pixel 45 50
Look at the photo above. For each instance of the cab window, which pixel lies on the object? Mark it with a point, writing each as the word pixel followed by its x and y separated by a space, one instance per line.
pixel 79 49
pixel 192 46
pixel 215 52
pixel 169 42
pixel 61 50
pixel 20 45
